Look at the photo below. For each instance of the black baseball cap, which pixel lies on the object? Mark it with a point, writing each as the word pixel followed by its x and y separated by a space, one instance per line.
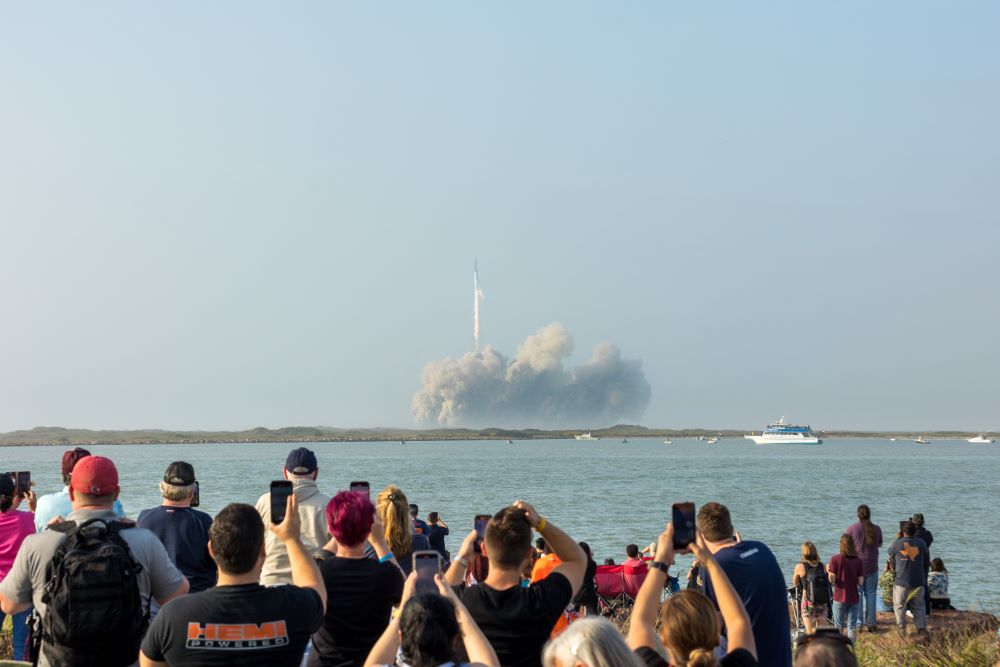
pixel 179 473
pixel 301 461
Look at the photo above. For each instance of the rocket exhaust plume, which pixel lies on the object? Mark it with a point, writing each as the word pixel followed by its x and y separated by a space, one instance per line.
pixel 477 294
pixel 534 388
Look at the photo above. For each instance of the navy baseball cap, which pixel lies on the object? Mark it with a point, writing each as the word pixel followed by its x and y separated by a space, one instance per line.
pixel 301 461
pixel 179 473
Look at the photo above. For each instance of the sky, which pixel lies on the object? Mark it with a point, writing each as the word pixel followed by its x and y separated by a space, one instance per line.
pixel 237 214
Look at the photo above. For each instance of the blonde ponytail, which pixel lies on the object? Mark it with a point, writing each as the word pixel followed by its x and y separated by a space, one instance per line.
pixel 700 657
pixel 394 510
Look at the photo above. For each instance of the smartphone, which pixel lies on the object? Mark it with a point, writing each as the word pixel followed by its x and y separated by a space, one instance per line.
pixel 682 518
pixel 480 524
pixel 23 481
pixel 426 564
pixel 362 487
pixel 280 490
pixel 196 498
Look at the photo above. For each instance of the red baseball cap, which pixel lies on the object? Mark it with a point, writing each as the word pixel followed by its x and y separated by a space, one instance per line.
pixel 95 476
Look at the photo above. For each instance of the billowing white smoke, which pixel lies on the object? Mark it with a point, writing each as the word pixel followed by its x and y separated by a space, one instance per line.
pixel 486 389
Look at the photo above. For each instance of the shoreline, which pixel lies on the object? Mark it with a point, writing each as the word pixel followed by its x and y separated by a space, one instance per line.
pixel 57 436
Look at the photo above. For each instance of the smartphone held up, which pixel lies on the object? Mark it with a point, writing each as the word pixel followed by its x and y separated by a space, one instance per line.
pixel 682 518
pixel 281 489
pixel 426 564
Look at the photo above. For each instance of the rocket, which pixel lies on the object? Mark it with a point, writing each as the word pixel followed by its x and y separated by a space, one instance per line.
pixel 477 294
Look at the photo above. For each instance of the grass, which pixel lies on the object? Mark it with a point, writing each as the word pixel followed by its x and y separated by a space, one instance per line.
pixel 951 650
pixel 6 640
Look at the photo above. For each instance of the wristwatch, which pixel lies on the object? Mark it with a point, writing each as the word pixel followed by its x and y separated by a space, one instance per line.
pixel 662 567
pixel 461 561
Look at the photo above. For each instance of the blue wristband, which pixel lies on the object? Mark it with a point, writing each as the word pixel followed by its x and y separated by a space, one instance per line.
pixel 386 558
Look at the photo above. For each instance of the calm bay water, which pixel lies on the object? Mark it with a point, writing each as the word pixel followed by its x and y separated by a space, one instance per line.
pixel 610 494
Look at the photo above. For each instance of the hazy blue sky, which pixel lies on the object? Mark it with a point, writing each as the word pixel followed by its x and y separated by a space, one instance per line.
pixel 232 214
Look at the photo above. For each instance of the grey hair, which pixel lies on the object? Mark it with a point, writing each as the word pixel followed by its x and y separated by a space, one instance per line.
pixel 176 493
pixel 594 641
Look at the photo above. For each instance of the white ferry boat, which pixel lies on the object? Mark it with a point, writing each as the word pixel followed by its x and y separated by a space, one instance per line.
pixel 980 440
pixel 586 436
pixel 920 440
pixel 780 433
pixel 711 441
pixel 668 441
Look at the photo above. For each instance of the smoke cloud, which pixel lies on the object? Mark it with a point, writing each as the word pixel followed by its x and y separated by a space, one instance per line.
pixel 533 389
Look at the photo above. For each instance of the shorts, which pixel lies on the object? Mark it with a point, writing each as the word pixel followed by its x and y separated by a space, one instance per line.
pixel 810 610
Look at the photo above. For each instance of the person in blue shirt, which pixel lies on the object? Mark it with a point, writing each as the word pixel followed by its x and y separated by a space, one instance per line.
pixel 437 530
pixel 58 504
pixel 419 525
pixel 756 576
pixel 182 529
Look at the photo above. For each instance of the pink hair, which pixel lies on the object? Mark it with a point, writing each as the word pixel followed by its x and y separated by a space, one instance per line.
pixel 349 516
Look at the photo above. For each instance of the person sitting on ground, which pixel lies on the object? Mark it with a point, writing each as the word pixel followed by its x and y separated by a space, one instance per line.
pixel 937 585
pixel 517 620
pixel 846 572
pixel 182 529
pixel 810 579
pixel 437 530
pixel 633 556
pixel 15 525
pixel 907 556
pixel 302 468
pixel 585 600
pixel 826 648
pixel 690 629
pixel 361 591
pixel 59 505
pixel 394 514
pixel 241 622
pixel 868 539
pixel 427 630
pixel 590 642
pixel 92 523
pixel 419 525
pixel 756 576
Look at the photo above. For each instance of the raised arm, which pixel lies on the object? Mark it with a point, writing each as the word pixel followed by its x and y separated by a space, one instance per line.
pixel 574 561
pixel 642 628
pixel 384 651
pixel 477 647
pixel 734 614
pixel 456 571
pixel 305 574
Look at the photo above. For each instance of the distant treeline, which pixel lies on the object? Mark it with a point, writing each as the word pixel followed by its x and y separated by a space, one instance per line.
pixel 43 435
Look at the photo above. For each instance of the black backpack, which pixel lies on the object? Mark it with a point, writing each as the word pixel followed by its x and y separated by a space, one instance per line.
pixel 94 615
pixel 816 584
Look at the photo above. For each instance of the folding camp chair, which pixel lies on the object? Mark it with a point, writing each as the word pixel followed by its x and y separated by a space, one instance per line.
pixel 610 591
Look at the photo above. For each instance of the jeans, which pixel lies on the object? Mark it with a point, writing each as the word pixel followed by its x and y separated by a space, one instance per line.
pixel 868 591
pixel 20 622
pixel 912 599
pixel 845 615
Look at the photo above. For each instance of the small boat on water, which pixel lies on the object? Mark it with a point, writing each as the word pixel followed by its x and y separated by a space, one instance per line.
pixel 980 439
pixel 920 440
pixel 668 441
pixel 711 441
pixel 892 439
pixel 586 436
pixel 625 441
pixel 780 433
pixel 402 442
pixel 510 442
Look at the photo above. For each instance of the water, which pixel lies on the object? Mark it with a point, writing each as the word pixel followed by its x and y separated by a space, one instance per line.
pixel 610 494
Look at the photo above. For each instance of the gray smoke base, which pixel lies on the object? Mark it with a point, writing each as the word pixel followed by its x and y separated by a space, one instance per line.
pixel 533 390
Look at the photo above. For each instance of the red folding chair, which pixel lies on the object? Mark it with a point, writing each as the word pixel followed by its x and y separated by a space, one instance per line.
pixel 610 589
pixel 633 576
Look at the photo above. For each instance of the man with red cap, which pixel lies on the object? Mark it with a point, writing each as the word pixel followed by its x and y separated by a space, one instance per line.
pixel 58 504
pixel 93 490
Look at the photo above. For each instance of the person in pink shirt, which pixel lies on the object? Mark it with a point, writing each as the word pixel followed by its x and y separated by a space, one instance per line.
pixel 15 525
pixel 847 573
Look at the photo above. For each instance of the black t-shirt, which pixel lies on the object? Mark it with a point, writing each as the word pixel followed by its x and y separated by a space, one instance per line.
pixel 517 621
pixel 184 533
pixel 738 658
pixel 235 626
pixel 435 536
pixel 360 596
pixel 587 595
